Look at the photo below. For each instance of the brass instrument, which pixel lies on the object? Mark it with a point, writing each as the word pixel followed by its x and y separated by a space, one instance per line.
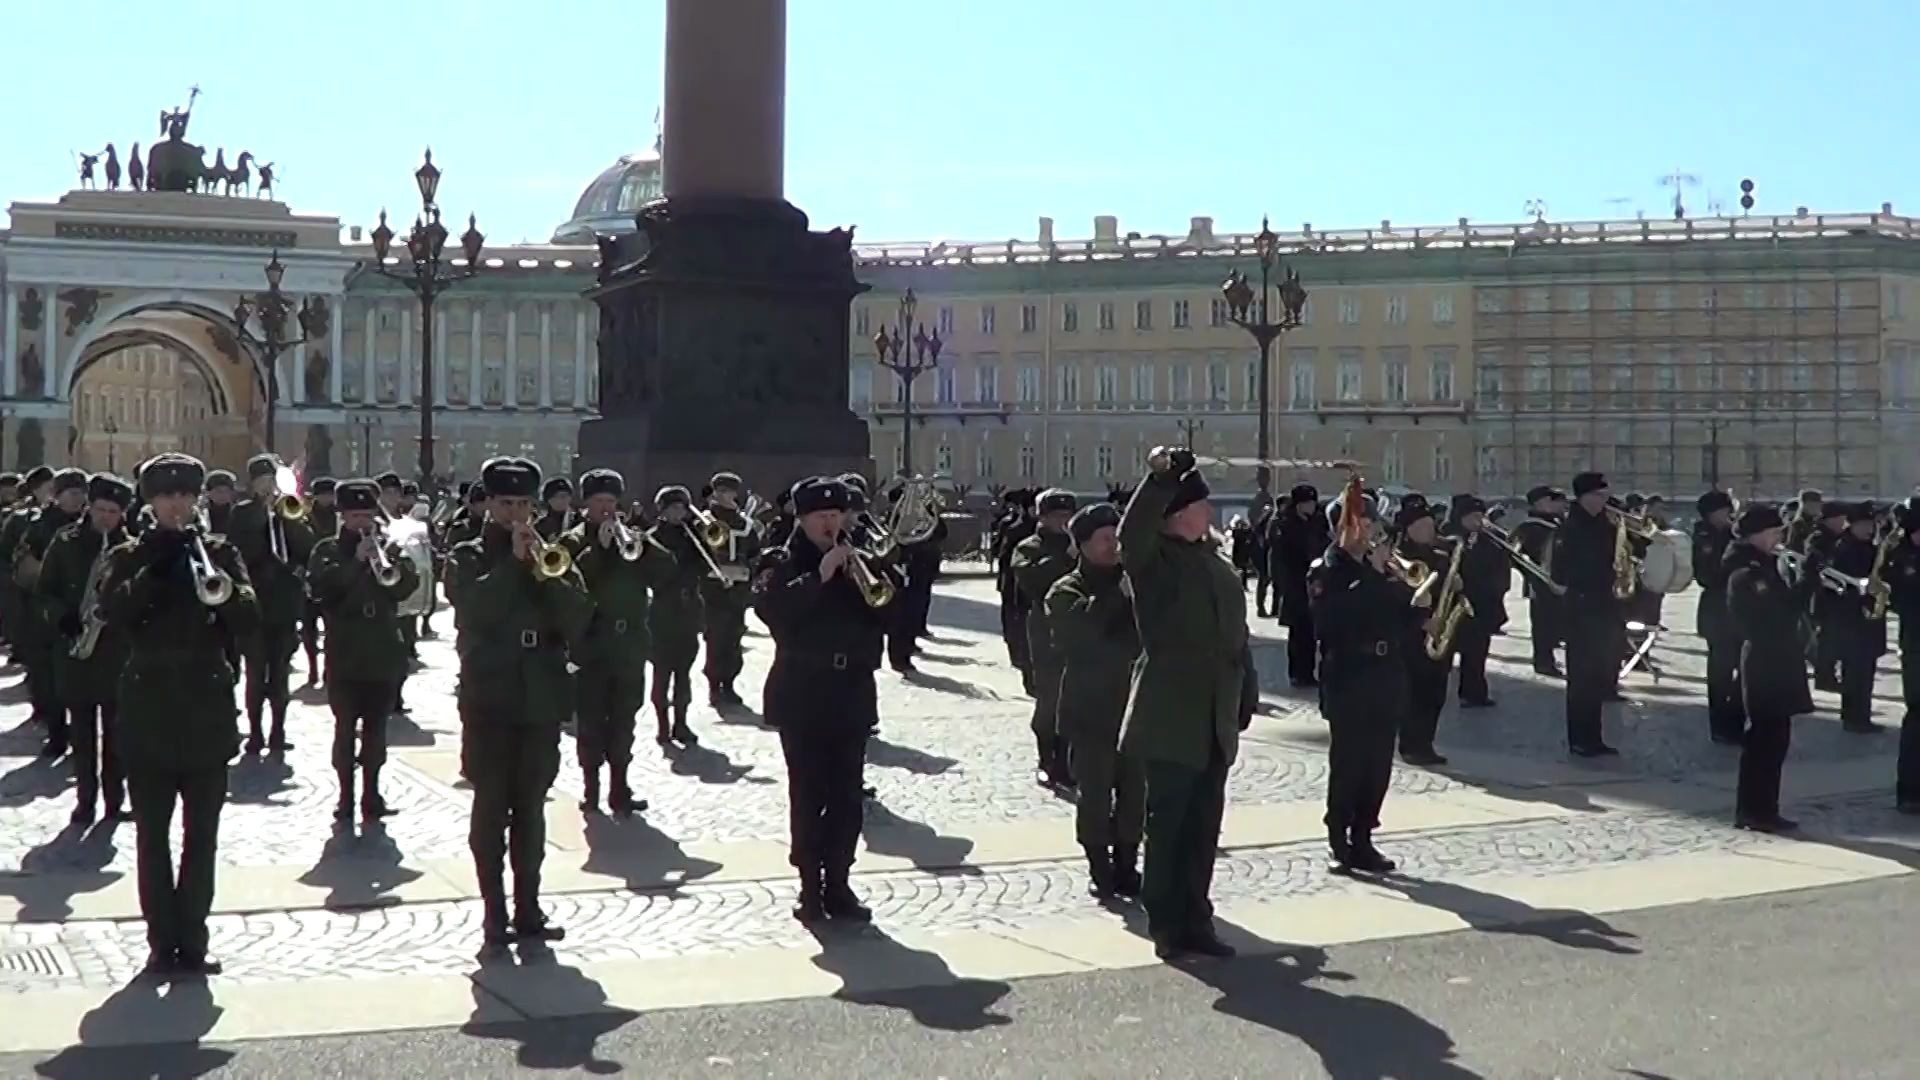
pixel 210 583
pixel 385 571
pixel 93 615
pixel 711 530
pixel 550 561
pixel 875 587
pixel 915 515
pixel 1450 607
pixel 705 548
pixel 1626 575
pixel 1533 571
pixel 291 508
pixel 1793 567
pixel 1876 584
pixel 1412 571
pixel 629 542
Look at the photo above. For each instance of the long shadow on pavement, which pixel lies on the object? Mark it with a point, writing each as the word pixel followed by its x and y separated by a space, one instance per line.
pixel 574 1013
pixel 74 861
pixel 879 971
pixel 359 871
pixel 170 1027
pixel 1501 915
pixel 640 855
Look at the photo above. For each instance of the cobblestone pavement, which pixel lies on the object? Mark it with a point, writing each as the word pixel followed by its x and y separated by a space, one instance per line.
pixel 954 753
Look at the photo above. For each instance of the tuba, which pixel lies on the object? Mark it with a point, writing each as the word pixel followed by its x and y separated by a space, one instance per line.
pixel 915 515
pixel 1626 571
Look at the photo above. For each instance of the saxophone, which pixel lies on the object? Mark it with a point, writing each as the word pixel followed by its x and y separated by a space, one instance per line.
pixel 1877 587
pixel 93 616
pixel 1450 608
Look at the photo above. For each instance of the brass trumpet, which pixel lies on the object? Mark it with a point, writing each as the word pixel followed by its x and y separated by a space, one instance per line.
pixel 291 507
pixel 710 529
pixel 875 588
pixel 628 542
pixel 385 571
pixel 210 583
pixel 1638 526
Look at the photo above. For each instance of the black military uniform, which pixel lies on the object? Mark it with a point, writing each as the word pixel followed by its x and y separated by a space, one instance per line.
pixel 674 617
pixel 725 600
pixel 1296 537
pixel 177 728
pixel 920 563
pixel 515 629
pixel 40 640
pixel 780 529
pixel 611 683
pixel 1903 577
pixel 220 496
pixel 557 514
pixel 1039 561
pixel 1361 614
pixel 1426 677
pixel 1766 611
pixel 1858 640
pixel 1547 507
pixel 1583 550
pixel 1806 521
pixel 821 695
pixel 324 520
pixel 1486 575
pixel 1726 716
pixel 366 654
pixel 1819 553
pixel 276 551
pixel 89 655
pixel 1097 641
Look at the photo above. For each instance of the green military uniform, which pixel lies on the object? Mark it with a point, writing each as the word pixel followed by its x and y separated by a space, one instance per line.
pixel 674 621
pixel 72 588
pixel 324 519
pixel 1038 562
pixel 515 632
pixel 40 639
pixel 366 654
pixel 1193 690
pixel 13 523
pixel 176 713
pixel 1097 643
pixel 611 682
pixel 725 602
pixel 557 514
pixel 276 552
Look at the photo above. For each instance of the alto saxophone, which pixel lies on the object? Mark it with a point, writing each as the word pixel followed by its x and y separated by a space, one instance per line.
pixel 1450 608
pixel 93 616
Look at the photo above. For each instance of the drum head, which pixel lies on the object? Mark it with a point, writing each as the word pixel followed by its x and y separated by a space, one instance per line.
pixel 1668 565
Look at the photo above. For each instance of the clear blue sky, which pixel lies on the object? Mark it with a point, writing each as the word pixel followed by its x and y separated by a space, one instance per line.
pixel 968 119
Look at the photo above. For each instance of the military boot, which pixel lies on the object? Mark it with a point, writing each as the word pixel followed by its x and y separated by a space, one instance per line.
pixel 664 717
pixel 590 790
pixel 839 899
pixel 1099 872
pixel 1126 870
pixel 810 908
pixel 1366 859
pixel 373 806
pixel 620 798
pixel 256 733
pixel 1339 850
pixel 496 933
pixel 343 808
pixel 277 734
pixel 683 734
pixel 530 924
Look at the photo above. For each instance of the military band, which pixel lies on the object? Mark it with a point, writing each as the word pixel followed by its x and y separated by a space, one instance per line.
pixel 1037 563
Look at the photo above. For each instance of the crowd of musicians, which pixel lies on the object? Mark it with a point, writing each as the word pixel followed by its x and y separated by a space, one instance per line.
pixel 135 606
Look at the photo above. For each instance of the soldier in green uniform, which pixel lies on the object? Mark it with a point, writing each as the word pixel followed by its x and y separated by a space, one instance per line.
pixel 9 499
pixel 324 519
pixel 276 551
pixel 1038 562
pixel 1097 643
pixel 674 618
pixel 1194 691
pixel 220 496
pixel 516 627
pixel 470 518
pixel 33 492
pixel 727 598
pixel 40 637
pixel 556 515
pixel 611 684
pixel 365 652
pixel 89 654
pixel 176 704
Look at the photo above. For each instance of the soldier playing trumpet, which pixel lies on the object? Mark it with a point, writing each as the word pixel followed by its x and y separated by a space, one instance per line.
pixel 40 639
pixel 725 596
pixel 270 530
pixel 91 653
pixel 674 617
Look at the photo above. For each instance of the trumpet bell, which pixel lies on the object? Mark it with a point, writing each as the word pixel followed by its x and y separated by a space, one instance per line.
pixel 715 533
pixel 291 508
pixel 551 561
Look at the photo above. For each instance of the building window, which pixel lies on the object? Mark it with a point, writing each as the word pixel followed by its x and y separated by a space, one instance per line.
pixel 1300 379
pixel 983 461
pixel 1069 317
pixel 1103 461
pixel 1350 310
pixel 943 459
pixel 1143 384
pixel 1539 301
pixel 1393 369
pixel 1393 466
pixel 1443 309
pixel 986 384
pixel 1486 463
pixel 1066 461
pixel 1623 460
pixel 1539 462
pixel 1623 299
pixel 946 322
pixel 1217 313
pixel 1663 298
pixel 1580 299
pixel 1539 377
pixel 986 320
pixel 899 457
pixel 1029 318
pixel 1251 383
pixel 1894 313
pixel 1489 302
pixel 1397 309
pixel 1754 296
pixel 1106 385
pixel 1143 315
pixel 1442 464
pixel 1067 385
pixel 1026 385
pixel 1181 315
pixel 860 387
pixel 1218 387
pixel 1348 376
pixel 1710 300
pixel 1180 382
pixel 862 323
pixel 1440 372
pixel 1106 315
pixel 1580 377
pixel 944 388
pixel 1028 461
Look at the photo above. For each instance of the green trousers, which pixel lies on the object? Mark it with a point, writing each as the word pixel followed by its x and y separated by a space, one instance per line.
pixel 1184 809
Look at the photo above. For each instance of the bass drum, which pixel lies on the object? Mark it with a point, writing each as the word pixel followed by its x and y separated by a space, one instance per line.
pixel 411 537
pixel 1668 565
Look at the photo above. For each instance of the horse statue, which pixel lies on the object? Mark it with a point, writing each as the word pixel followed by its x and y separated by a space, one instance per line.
pixel 176 164
pixel 240 177
pixel 211 179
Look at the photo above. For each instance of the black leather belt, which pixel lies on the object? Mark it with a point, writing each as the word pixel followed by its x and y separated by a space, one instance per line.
pixel 619 626
pixel 1382 647
pixel 837 661
pixel 529 639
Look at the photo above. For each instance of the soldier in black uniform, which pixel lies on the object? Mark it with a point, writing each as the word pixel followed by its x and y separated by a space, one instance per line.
pixel 515 630
pixel 324 519
pixel 725 600
pixel 88 655
pixel 1583 549
pixel 220 496
pixel 1426 677
pixel 1806 522
pixel 1859 640
pixel 1546 508
pixel 920 563
pixel 1819 553
pixel 11 598
pixel 366 654
pixel 674 617
pixel 1296 537
pixel 557 514
pixel 276 551
pixel 40 640
pixel 821 693
pixel 1486 576
pixel 1712 533
pixel 780 529
pixel 1766 610
pixel 1361 613
pixel 1903 578
pixel 177 728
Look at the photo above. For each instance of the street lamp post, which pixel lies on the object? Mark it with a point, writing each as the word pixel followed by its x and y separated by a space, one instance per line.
pixel 1258 320
pixel 908 352
pixel 272 308
pixel 426 274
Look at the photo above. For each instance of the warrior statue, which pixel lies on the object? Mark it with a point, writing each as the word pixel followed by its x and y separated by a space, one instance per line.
pixel 176 164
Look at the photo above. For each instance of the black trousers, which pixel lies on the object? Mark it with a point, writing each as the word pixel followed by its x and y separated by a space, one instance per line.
pixel 672 684
pixel 1474 643
pixel 1013 627
pixel 1544 613
pixel 903 633
pixel 1826 651
pixel 1762 756
pixel 920 599
pixel 511 765
pixel 1111 807
pixel 176 907
pixel 1359 770
pixel 269 662
pixel 1184 809
pixel 93 730
pixel 1303 649
pixel 43 690
pixel 1261 583
pixel 360 711
pixel 1426 697
pixel 1726 715
pixel 723 630
pixel 825 773
pixel 1858 664
pixel 310 617
pixel 1593 669
pixel 607 697
pixel 1906 787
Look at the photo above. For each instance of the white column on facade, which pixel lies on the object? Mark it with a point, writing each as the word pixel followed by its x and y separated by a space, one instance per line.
pixel 52 366
pixel 580 360
pixel 475 368
pixel 9 342
pixel 441 375
pixel 367 367
pixel 403 375
pixel 513 357
pixel 336 349
pixel 546 357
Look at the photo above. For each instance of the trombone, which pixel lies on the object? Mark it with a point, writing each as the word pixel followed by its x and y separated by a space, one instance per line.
pixel 210 583
pixel 875 588
pixel 1538 574
pixel 712 531
pixel 291 507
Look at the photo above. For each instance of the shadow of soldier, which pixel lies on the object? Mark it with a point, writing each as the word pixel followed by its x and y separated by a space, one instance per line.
pixel 73 862
pixel 877 970
pixel 564 1013
pixel 887 755
pixel 359 871
pixel 256 780
pixel 39 778
pixel 1355 1037
pixel 641 856
pixel 887 833
pixel 709 766
pixel 1496 914
pixel 948 685
pixel 139 1031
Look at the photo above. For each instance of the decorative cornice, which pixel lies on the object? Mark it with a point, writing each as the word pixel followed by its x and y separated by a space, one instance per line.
pixel 200 236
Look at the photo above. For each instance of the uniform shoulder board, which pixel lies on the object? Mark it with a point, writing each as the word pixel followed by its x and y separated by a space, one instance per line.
pixel 68 531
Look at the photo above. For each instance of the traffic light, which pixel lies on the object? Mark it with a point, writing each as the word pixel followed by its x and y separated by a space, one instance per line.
pixel 1746 194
